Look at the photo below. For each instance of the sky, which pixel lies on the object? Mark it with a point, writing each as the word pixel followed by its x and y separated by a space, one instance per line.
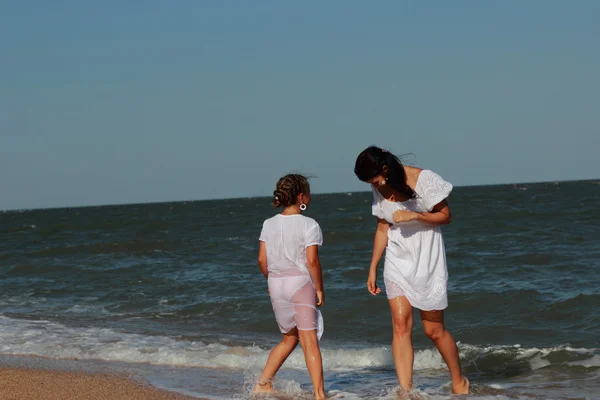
pixel 106 102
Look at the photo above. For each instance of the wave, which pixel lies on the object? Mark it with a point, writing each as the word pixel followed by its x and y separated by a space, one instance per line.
pixel 57 341
pixel 131 246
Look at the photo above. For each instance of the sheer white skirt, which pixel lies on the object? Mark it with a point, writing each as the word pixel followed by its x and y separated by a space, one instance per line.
pixel 295 303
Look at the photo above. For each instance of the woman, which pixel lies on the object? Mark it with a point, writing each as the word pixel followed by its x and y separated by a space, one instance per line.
pixel 410 205
pixel 289 258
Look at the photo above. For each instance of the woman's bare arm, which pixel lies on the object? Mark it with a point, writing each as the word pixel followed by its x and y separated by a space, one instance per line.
pixel 439 215
pixel 379 243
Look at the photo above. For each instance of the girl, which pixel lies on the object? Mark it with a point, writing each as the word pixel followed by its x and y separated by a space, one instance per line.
pixel 410 205
pixel 288 257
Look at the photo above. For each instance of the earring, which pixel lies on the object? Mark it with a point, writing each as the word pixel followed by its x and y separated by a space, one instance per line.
pixel 302 207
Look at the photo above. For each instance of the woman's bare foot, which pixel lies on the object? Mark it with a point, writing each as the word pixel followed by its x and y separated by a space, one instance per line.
pixel 264 387
pixel 462 388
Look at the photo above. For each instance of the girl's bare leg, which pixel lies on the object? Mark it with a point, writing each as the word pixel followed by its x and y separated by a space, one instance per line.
pixel 278 355
pixel 314 363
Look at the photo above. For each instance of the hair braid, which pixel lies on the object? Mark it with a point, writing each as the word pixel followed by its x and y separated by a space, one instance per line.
pixel 288 188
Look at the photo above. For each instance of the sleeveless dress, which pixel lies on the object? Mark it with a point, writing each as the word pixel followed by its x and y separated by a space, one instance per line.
pixel 415 257
pixel 291 288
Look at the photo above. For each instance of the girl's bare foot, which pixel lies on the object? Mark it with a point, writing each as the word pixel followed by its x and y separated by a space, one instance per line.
pixel 410 394
pixel 264 387
pixel 404 390
pixel 462 388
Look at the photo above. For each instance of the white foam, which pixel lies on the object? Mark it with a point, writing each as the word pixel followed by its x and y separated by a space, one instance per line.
pixel 496 386
pixel 24 299
pixel 54 340
pixel 537 357
pixel 538 362
pixel 88 309
pixel 589 363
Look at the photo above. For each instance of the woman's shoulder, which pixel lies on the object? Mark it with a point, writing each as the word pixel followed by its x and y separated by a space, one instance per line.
pixel 412 170
pixel 427 175
pixel 412 175
pixel 433 188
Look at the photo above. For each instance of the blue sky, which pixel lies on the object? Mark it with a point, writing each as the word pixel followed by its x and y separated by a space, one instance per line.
pixel 118 102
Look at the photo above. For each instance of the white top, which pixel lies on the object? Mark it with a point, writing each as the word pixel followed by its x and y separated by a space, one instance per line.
pixel 287 237
pixel 415 258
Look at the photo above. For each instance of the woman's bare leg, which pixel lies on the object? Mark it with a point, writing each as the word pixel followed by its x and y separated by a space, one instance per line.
pixel 402 348
pixel 278 355
pixel 433 324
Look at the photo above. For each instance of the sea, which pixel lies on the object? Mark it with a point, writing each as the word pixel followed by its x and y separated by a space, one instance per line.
pixel 173 291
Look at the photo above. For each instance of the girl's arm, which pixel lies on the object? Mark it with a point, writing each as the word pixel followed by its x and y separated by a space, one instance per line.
pixel 314 268
pixel 262 259
pixel 439 215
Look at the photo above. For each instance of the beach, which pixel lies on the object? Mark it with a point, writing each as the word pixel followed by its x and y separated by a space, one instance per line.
pixel 28 384
pixel 24 378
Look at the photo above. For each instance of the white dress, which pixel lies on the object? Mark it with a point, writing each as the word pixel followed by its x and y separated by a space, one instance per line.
pixel 291 288
pixel 415 257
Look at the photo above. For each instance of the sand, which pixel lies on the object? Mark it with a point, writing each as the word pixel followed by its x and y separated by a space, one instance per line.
pixel 25 384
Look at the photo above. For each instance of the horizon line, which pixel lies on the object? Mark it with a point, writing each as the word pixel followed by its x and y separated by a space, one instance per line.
pixel 8 210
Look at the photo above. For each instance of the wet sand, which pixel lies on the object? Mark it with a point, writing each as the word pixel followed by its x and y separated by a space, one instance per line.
pixel 25 384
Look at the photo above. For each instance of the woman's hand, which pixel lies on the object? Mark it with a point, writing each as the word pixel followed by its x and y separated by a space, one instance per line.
pixel 404 216
pixel 372 284
pixel 320 298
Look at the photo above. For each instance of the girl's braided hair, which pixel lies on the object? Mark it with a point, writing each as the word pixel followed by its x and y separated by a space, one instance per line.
pixel 288 188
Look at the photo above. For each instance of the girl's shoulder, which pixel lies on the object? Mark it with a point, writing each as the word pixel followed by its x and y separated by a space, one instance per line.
pixel 270 220
pixel 307 223
pixel 295 219
pixel 310 222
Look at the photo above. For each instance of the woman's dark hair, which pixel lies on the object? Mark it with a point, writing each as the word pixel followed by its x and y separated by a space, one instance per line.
pixel 288 188
pixel 370 163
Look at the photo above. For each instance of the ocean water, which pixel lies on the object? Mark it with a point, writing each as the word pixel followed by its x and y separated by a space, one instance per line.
pixel 173 289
